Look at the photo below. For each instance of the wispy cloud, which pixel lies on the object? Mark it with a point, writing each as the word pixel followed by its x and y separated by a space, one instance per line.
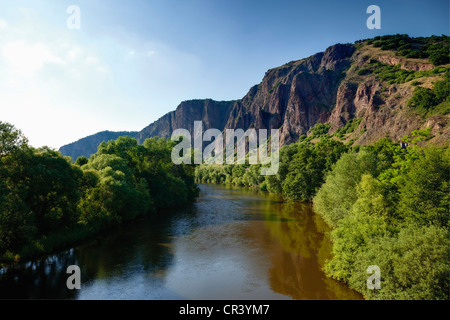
pixel 3 24
pixel 25 59
pixel 48 78
pixel 55 80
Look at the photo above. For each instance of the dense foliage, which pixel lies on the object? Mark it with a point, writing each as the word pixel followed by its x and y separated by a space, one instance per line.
pixel 435 48
pixel 395 74
pixel 303 166
pixel 47 202
pixel 426 100
pixel 389 207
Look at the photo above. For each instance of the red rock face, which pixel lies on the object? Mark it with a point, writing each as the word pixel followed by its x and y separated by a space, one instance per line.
pixel 213 114
pixel 405 64
pixel 294 97
pixel 321 88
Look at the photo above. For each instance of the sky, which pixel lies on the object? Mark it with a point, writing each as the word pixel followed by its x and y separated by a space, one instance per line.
pixel 131 62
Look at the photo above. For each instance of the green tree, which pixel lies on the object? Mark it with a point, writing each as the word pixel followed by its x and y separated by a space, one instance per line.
pixel 424 196
pixel 81 161
pixel 371 199
pixel 350 239
pixel 413 265
pixel 16 223
pixel 11 139
pixel 114 200
pixel 305 174
pixel 337 195
pixel 423 99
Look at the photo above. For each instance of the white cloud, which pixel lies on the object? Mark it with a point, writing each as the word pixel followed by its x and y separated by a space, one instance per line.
pixel 51 82
pixel 73 52
pixel 3 24
pixel 54 80
pixel 91 60
pixel 25 59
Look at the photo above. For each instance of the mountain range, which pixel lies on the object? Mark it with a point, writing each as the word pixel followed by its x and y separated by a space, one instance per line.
pixel 360 91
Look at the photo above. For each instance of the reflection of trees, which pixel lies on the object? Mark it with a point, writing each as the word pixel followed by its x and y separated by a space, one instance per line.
pixel 107 255
pixel 143 244
pixel 298 260
pixel 43 279
pixel 294 227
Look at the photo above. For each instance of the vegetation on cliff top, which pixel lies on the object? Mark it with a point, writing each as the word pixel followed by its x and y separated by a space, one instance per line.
pixel 434 48
pixel 429 101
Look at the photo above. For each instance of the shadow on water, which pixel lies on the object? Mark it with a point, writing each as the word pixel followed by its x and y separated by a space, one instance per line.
pixel 231 243
pixel 144 243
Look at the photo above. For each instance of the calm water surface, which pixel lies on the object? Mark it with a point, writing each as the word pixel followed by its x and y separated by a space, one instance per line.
pixel 231 244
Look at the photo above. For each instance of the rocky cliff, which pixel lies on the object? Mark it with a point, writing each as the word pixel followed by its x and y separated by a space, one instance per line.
pixel 213 114
pixel 346 82
pixel 327 87
pixel 295 96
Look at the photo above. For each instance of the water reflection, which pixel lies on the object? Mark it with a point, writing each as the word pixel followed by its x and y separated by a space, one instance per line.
pixel 232 243
pixel 45 278
pixel 299 253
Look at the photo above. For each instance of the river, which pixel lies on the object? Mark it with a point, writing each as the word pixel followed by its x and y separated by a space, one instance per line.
pixel 232 243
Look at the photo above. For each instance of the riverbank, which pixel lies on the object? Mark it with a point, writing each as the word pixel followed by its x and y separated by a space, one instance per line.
pixel 48 202
pixel 378 200
pixel 231 243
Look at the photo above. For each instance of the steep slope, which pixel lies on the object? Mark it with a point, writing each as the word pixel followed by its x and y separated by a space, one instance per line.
pixel 295 96
pixel 376 94
pixel 88 145
pixel 363 83
pixel 213 114
pixel 361 91
pixel 347 82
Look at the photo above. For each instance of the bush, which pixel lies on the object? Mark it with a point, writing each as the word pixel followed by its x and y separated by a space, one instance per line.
pixel 320 129
pixel 337 195
pixel 435 48
pixel 423 99
pixel 349 127
pixel 413 265
pixel 424 197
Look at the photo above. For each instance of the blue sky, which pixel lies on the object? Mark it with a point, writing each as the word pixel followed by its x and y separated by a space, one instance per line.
pixel 133 61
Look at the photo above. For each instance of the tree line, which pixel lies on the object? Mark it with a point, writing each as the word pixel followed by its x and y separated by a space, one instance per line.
pixel 47 202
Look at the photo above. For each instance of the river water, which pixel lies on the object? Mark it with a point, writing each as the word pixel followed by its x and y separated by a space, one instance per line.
pixel 232 243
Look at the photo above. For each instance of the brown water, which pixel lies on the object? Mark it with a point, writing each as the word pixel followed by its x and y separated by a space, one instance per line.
pixel 232 243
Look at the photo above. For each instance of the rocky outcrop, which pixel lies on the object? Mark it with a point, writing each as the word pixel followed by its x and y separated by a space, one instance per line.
pixel 326 87
pixel 405 64
pixel 213 114
pixel 295 96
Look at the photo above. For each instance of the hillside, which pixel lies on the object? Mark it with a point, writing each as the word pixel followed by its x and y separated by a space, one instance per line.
pixel 361 92
pixel 213 114
pixel 88 145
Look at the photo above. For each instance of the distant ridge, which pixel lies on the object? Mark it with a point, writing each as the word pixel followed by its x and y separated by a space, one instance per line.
pixel 88 145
